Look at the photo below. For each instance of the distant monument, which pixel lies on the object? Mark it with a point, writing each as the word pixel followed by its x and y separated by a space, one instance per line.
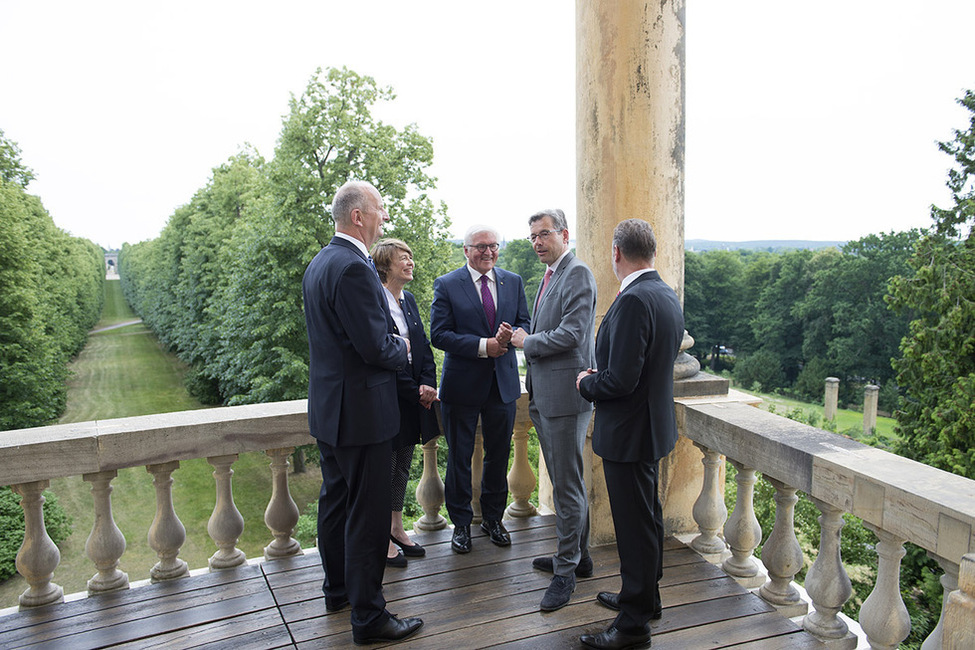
pixel 111 264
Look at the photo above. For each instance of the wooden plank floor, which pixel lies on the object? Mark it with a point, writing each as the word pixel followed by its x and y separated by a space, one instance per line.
pixel 488 598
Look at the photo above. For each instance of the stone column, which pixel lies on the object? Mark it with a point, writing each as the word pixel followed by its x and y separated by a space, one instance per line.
pixel 630 163
pixel 870 395
pixel 832 396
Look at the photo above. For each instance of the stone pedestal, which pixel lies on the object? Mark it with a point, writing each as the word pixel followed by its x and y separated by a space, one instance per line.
pixel 832 395
pixel 871 394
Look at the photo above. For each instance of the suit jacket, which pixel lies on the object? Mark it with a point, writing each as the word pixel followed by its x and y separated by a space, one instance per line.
pixel 354 356
pixel 458 322
pixel 417 424
pixel 633 387
pixel 560 343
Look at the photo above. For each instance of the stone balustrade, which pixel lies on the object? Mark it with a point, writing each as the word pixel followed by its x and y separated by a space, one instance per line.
pixel 30 458
pixel 898 499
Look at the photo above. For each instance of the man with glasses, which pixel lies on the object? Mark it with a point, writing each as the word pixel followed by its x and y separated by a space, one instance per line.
pixel 558 347
pixel 472 317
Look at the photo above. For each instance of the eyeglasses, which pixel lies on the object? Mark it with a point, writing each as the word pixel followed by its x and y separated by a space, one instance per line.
pixel 483 247
pixel 542 234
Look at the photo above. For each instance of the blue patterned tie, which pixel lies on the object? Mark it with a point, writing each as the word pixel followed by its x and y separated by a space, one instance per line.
pixel 488 301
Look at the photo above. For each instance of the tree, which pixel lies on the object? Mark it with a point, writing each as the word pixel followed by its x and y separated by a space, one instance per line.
pixel 518 256
pixel 936 419
pixel 221 285
pixel 847 324
pixel 776 327
pixel 51 296
pixel 12 170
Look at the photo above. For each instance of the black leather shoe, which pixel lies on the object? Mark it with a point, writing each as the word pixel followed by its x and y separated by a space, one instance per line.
pixel 393 629
pixel 399 561
pixel 558 593
pixel 409 550
pixel 336 605
pixel 614 639
pixel 460 542
pixel 497 532
pixel 611 600
pixel 547 564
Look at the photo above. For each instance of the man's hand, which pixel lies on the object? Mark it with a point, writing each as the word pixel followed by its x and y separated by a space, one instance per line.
pixel 495 349
pixel 518 337
pixel 504 333
pixel 428 395
pixel 584 373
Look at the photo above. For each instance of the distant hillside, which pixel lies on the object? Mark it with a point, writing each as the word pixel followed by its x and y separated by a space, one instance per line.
pixel 772 245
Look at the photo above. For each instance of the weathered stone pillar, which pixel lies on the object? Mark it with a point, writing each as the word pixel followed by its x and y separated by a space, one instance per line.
pixel 832 397
pixel 870 396
pixel 630 163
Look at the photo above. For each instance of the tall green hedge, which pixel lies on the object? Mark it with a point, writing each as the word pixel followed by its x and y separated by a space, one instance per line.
pixel 50 296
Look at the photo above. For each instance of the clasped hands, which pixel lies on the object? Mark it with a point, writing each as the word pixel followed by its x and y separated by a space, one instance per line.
pixel 428 395
pixel 498 345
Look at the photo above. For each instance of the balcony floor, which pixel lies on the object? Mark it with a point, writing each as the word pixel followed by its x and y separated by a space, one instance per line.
pixel 486 598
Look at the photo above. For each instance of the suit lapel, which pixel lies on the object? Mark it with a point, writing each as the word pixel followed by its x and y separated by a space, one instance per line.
pixel 472 291
pixel 552 285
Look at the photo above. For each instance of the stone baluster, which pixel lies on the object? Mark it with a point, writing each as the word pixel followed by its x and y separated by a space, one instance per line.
pixel 743 532
pixel 949 582
pixel 959 613
pixel 166 534
pixel 883 615
pixel 281 514
pixel 827 583
pixel 709 510
pixel 226 523
pixel 782 554
pixel 521 478
pixel 38 556
pixel 429 491
pixel 106 543
pixel 477 471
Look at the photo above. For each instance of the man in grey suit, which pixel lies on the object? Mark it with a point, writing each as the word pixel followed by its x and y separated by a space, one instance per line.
pixel 559 346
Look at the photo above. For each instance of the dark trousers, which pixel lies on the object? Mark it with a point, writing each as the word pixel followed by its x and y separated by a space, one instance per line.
pixel 460 426
pixel 638 520
pixel 353 528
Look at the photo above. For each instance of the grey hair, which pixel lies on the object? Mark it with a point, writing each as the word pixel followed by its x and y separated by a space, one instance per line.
pixel 556 215
pixel 350 196
pixel 635 240
pixel 477 229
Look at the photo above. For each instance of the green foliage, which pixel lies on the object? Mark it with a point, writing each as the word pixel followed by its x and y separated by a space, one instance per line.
pixel 12 170
pixel 221 285
pixel 56 521
pixel 761 369
pixel 936 367
pixel 51 296
pixel 518 256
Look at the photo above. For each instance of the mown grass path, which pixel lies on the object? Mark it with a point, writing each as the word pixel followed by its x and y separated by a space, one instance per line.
pixel 124 371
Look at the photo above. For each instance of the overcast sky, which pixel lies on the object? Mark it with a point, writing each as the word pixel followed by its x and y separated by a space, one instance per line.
pixel 804 120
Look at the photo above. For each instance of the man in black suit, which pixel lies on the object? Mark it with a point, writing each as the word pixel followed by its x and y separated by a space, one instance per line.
pixel 633 390
pixel 474 310
pixel 353 412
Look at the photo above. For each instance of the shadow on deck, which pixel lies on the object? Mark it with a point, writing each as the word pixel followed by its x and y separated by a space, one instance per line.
pixel 486 598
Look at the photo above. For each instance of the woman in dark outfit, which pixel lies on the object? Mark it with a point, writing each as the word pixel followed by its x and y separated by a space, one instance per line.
pixel 416 387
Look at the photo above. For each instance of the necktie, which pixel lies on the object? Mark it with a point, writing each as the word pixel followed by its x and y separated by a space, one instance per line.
pixel 548 276
pixel 488 301
pixel 372 264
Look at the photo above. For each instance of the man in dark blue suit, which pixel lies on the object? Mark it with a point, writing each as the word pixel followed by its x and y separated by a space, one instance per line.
pixel 634 428
pixel 353 412
pixel 471 319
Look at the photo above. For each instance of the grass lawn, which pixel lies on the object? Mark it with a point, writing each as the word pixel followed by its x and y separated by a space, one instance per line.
pixel 125 372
